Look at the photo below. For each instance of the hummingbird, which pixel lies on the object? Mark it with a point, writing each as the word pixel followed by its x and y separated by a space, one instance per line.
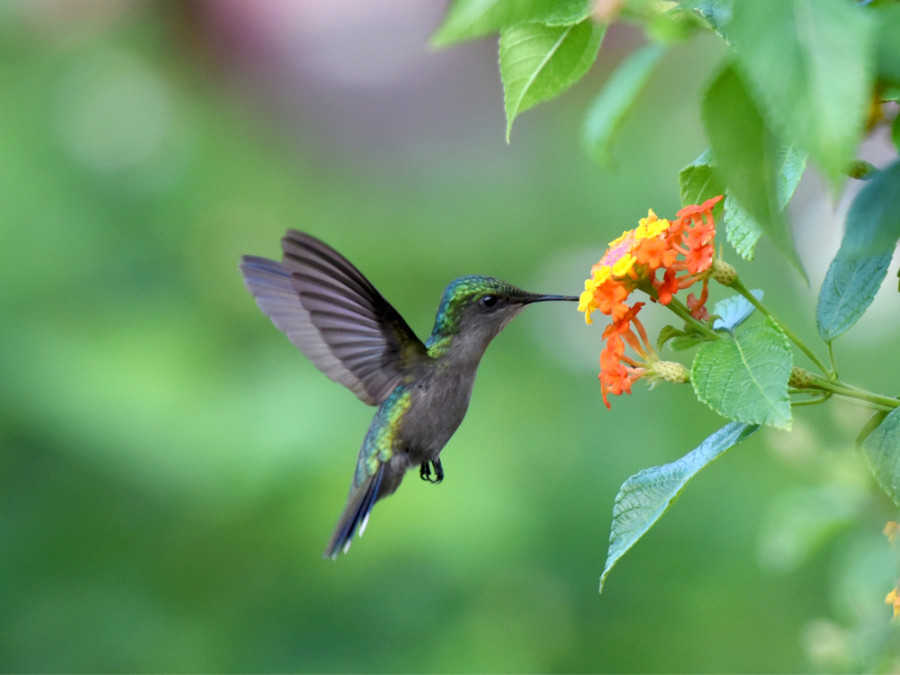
pixel 337 318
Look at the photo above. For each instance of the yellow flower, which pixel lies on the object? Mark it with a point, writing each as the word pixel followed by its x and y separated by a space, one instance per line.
pixel 584 304
pixel 600 274
pixel 893 598
pixel 623 265
pixel 651 226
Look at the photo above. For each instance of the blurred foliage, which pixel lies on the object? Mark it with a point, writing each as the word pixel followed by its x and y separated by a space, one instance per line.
pixel 171 467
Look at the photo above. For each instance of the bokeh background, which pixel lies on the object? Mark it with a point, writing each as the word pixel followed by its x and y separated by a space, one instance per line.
pixel 171 466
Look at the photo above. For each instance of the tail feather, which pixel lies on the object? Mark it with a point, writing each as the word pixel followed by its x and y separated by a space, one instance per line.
pixel 355 515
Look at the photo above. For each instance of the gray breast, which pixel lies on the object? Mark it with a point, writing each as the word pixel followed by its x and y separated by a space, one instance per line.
pixel 438 406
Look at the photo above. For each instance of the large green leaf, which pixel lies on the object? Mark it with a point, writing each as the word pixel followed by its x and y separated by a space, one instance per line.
pixel 887 17
pixel 698 181
pixel 606 113
pixel 748 156
pixel 470 19
pixel 849 287
pixel 741 229
pixel 716 13
pixel 648 494
pixel 744 377
pixel 858 269
pixel 810 64
pixel 882 451
pixel 539 62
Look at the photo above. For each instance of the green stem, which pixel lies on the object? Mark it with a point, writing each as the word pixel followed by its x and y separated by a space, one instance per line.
pixel 871 406
pixel 830 346
pixel 821 398
pixel 683 312
pixel 740 288
pixel 840 388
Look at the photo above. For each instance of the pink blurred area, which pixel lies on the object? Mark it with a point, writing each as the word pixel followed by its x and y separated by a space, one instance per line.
pixel 358 74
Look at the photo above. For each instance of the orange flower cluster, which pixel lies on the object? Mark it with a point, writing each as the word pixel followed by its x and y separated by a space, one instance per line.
pixel 682 249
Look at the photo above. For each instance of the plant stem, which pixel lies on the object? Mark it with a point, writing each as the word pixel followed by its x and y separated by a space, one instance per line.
pixel 821 398
pixel 683 312
pixel 740 288
pixel 840 388
pixel 834 370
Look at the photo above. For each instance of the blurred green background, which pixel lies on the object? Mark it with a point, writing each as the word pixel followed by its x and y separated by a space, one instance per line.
pixel 172 467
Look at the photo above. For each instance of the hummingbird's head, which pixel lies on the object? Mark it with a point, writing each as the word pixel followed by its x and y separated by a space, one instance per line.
pixel 475 309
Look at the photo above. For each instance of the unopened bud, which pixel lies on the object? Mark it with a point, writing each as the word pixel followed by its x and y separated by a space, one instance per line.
pixel 723 273
pixel 671 371
pixel 800 378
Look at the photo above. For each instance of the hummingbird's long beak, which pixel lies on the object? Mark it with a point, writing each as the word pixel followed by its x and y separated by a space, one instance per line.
pixel 548 298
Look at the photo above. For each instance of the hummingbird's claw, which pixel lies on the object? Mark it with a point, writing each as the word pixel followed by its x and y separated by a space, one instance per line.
pixel 438 471
pixel 425 471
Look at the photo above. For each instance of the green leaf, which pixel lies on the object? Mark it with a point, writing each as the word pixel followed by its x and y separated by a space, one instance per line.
pixel 890 92
pixel 648 494
pixel 664 23
pixel 667 333
pixel 698 182
pixel 871 425
pixel 716 13
pixel 810 64
pixel 849 287
pixel 887 18
pixel 566 13
pixel 680 343
pixel 741 230
pixel 882 451
pixel 790 167
pixel 859 268
pixel 895 132
pixel 539 62
pixel 470 19
pixel 748 157
pixel 606 113
pixel 744 377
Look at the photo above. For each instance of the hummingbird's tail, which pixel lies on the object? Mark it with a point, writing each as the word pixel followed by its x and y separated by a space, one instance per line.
pixel 356 514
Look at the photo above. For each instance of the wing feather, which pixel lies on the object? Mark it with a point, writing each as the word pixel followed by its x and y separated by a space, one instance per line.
pixel 334 315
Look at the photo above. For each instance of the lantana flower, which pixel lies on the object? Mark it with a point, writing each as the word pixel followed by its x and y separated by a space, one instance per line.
pixel 893 599
pixel 660 258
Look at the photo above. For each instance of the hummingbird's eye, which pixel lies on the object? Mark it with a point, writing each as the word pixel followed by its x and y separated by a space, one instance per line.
pixel 489 301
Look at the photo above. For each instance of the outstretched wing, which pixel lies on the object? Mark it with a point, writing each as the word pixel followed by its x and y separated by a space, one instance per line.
pixel 334 315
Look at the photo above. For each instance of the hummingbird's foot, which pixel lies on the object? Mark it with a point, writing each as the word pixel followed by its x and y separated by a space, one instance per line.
pixel 425 471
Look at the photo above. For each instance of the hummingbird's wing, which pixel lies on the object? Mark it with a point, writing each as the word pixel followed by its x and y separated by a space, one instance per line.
pixel 334 315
